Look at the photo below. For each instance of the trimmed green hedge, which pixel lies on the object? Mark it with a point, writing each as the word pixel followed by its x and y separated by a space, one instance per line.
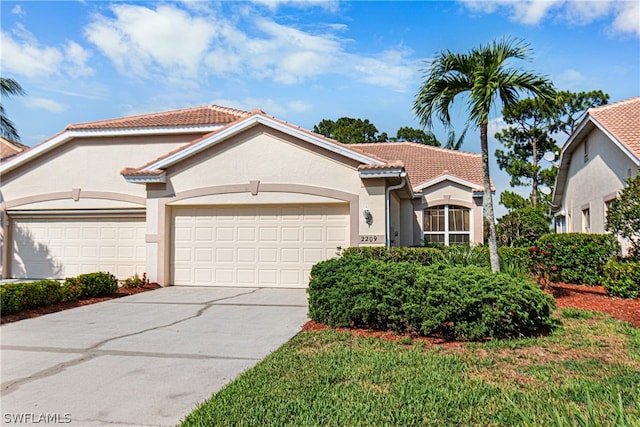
pixel 574 257
pixel 462 303
pixel 622 279
pixel 420 255
pixel 15 297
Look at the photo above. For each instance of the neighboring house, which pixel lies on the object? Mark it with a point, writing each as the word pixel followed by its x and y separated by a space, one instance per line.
pixel 10 148
pixel 217 196
pixel 595 162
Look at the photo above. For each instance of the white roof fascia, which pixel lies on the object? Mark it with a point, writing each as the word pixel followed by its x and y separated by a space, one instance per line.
pixel 383 173
pixel 92 133
pixel 146 179
pixel 447 178
pixel 251 121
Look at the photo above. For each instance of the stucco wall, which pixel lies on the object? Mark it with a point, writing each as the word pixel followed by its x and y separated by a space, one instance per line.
pixel 91 165
pixel 452 193
pixel 590 184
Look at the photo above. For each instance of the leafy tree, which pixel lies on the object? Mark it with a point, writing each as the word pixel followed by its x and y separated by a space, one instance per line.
pixel 529 137
pixel 416 135
pixel 350 131
pixel 571 106
pixel 484 75
pixel 623 216
pixel 522 227
pixel 513 201
pixel 7 128
pixel 526 141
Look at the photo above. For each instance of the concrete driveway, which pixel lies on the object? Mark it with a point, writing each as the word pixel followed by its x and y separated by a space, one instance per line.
pixel 142 360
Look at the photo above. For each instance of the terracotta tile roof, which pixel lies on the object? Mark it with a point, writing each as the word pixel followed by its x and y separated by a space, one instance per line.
pixel 197 116
pixel 138 172
pixel 425 163
pixel 10 148
pixel 622 120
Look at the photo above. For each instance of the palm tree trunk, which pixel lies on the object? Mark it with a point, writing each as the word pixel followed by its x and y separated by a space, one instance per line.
pixel 534 196
pixel 488 199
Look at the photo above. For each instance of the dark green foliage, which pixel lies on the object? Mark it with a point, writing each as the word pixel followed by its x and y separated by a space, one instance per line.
pixel 424 256
pixel 418 136
pixel 623 216
pixel 574 257
pixel 463 303
pixel 522 227
pixel 71 289
pixel 622 278
pixel 350 131
pixel 98 284
pixel 21 296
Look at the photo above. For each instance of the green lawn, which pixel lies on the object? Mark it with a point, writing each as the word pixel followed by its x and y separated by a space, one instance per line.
pixel 334 379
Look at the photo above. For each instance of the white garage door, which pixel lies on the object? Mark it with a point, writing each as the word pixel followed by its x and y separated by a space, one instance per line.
pixel 54 248
pixel 270 246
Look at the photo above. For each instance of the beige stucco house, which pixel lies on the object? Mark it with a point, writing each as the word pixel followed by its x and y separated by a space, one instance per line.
pixel 595 162
pixel 217 196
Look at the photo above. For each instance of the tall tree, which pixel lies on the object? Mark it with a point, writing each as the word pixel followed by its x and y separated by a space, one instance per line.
pixel 454 143
pixel 350 131
pixel 529 136
pixel 416 135
pixel 526 141
pixel 7 128
pixel 571 106
pixel 484 76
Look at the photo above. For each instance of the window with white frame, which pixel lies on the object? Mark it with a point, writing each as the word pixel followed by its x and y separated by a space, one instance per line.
pixel 586 220
pixel 447 224
pixel 561 224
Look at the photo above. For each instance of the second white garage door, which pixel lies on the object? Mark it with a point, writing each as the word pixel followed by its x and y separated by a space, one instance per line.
pixel 270 246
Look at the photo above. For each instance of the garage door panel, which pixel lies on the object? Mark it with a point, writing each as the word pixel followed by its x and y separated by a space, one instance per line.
pixel 257 245
pixel 59 248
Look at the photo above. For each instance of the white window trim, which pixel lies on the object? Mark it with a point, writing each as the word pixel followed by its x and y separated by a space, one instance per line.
pixel 446 231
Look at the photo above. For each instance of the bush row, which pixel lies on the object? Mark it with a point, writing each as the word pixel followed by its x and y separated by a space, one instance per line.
pixel 571 258
pixel 15 297
pixel 462 303
pixel 622 278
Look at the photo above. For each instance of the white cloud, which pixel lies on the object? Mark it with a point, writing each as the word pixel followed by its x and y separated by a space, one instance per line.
pixel 140 38
pixel 18 10
pixel 196 42
pixel 268 105
pixel 623 16
pixel 570 79
pixel 44 104
pixel 328 5
pixel 23 54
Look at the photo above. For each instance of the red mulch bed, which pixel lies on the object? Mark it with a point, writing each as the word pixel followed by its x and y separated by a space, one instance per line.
pixel 36 312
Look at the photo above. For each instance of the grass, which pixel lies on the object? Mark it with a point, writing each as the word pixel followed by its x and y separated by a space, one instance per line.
pixel 587 373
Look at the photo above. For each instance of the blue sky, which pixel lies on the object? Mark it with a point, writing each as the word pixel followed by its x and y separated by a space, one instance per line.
pixel 299 61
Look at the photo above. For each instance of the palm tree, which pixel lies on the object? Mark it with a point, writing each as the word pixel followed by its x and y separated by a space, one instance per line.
pixel 484 76
pixel 453 143
pixel 8 87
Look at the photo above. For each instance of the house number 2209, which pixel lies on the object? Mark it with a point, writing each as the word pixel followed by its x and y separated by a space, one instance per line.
pixel 368 239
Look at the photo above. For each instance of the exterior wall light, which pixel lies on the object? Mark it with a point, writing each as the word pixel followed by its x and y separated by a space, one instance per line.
pixel 366 214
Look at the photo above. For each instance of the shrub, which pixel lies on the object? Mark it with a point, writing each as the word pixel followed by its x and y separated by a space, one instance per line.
pixel 463 255
pixel 97 284
pixel 522 227
pixel 622 279
pixel 623 216
pixel 464 303
pixel 421 255
pixel 574 257
pixel 135 281
pixel 71 289
pixel 21 296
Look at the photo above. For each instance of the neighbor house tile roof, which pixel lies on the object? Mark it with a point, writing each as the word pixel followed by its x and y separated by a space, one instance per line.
pixel 10 148
pixel 425 163
pixel 622 120
pixel 197 116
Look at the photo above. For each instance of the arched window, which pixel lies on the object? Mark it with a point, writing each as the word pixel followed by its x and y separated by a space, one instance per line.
pixel 447 224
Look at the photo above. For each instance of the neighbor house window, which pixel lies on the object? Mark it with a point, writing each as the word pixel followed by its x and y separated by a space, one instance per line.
pixel 586 152
pixel 447 224
pixel 586 221
pixel 561 224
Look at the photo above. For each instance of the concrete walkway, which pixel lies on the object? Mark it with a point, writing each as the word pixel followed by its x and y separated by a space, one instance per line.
pixel 142 360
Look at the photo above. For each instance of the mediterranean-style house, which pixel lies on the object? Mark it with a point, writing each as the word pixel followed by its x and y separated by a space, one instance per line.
pixel 595 162
pixel 217 196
